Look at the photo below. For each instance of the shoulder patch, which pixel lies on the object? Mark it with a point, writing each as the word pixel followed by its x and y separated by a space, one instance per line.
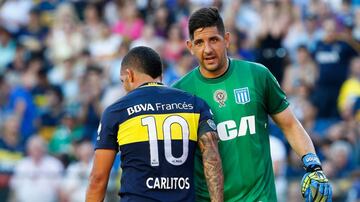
pixel 98 132
pixel 211 124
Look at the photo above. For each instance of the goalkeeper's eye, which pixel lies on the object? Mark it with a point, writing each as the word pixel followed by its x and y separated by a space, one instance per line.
pixel 198 43
pixel 214 39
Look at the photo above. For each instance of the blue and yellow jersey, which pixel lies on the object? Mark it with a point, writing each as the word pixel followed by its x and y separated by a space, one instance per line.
pixel 156 129
pixel 9 158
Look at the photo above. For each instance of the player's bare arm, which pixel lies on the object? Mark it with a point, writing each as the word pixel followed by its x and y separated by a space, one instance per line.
pixel 314 185
pixel 103 161
pixel 208 144
pixel 294 132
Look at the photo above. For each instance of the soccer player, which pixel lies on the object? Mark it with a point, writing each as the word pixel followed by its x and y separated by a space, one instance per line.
pixel 157 130
pixel 241 95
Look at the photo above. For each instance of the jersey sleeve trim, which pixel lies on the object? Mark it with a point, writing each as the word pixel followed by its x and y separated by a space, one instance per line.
pixel 110 147
pixel 282 106
pixel 206 126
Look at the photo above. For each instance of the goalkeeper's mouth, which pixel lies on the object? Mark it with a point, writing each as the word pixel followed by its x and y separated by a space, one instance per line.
pixel 210 59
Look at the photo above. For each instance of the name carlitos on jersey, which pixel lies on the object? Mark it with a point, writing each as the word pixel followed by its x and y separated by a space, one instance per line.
pixel 168 183
pixel 158 107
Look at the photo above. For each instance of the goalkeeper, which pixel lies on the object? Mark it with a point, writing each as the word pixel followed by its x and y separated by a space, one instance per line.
pixel 241 95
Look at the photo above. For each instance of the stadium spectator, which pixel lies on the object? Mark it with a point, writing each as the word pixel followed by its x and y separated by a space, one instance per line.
pixel 162 21
pixel 7 48
pixel 130 25
pixel 174 45
pixel 299 80
pixel 354 191
pixel 47 11
pixel 294 168
pixel 303 71
pixel 339 160
pixel 37 176
pixel 61 143
pixel 175 71
pixel 67 75
pixel 17 66
pixel 278 157
pixel 111 13
pixel 93 24
pixel 302 107
pixel 322 9
pixel 104 47
pixel 356 110
pixel 4 94
pixel 313 31
pixel 245 14
pixel 53 111
pixel 350 90
pixel 74 184
pixel 92 92
pixel 41 86
pixel 33 34
pixel 22 104
pixel 180 9
pixel 236 43
pixel 333 57
pixel 11 152
pixel 149 39
pixel 356 28
pixel 115 64
pixel 270 51
pixel 14 20
pixel 65 38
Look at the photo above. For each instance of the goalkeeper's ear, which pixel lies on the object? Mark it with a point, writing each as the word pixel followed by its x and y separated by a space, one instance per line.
pixel 189 45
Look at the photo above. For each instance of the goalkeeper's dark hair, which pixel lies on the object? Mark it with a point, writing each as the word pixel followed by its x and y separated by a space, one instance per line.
pixel 143 59
pixel 205 17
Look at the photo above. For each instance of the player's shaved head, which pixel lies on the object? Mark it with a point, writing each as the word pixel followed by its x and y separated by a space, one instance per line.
pixel 143 59
pixel 205 17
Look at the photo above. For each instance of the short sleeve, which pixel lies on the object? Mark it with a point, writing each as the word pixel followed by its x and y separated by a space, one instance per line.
pixel 107 132
pixel 206 120
pixel 275 98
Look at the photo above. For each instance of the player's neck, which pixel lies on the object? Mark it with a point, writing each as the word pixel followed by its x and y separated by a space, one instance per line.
pixel 146 79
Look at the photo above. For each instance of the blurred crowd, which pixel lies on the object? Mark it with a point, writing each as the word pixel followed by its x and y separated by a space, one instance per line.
pixel 60 66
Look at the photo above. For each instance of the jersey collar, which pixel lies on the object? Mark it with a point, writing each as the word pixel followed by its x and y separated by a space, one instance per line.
pixel 219 78
pixel 147 84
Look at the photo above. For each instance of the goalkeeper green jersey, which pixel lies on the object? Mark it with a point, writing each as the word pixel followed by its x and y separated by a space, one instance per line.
pixel 241 100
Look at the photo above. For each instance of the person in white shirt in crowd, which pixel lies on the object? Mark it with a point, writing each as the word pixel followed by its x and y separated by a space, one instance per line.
pixel 77 174
pixel 37 177
pixel 278 156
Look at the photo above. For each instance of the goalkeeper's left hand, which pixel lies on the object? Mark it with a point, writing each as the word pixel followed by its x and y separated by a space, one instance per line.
pixel 314 185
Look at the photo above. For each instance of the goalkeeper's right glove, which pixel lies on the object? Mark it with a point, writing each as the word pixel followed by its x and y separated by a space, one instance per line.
pixel 314 185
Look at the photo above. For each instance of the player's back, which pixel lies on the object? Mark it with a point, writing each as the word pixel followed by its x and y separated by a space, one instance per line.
pixel 157 134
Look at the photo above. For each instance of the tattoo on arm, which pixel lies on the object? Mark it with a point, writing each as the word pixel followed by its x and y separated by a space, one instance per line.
pixel 208 144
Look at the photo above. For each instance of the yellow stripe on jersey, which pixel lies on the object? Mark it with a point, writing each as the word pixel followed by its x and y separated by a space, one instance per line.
pixel 133 130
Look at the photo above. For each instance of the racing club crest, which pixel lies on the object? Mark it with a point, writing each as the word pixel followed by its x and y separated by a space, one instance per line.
pixel 220 97
pixel 242 95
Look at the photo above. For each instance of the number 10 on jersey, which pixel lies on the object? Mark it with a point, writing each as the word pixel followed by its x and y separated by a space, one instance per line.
pixel 150 122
